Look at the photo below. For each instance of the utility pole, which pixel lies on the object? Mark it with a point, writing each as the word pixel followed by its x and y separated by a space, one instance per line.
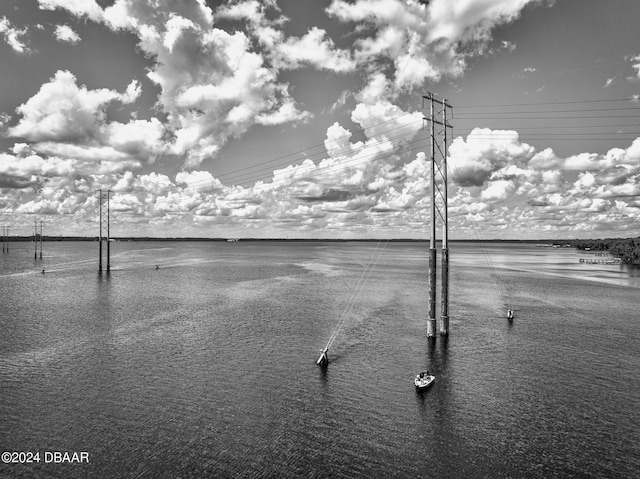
pixel 37 236
pixel 439 208
pixel 103 206
pixel 5 239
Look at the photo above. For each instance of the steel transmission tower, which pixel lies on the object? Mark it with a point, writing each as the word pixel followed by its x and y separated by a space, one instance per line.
pixel 103 200
pixel 438 127
pixel 37 236
pixel 5 239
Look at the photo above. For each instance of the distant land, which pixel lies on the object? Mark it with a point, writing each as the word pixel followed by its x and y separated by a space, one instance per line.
pixel 627 249
pixel 46 238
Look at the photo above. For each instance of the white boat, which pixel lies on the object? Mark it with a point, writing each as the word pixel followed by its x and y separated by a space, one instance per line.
pixel 323 360
pixel 423 380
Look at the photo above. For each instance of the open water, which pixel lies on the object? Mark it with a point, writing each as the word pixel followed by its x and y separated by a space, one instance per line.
pixel 206 367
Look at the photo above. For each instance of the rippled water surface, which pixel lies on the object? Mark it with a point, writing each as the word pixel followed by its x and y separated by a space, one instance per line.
pixel 206 366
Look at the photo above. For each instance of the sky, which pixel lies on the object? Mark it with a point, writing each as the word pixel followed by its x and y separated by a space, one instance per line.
pixel 305 119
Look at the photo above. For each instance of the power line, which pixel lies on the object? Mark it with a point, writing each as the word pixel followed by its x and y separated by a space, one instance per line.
pixel 322 145
pixel 570 127
pixel 554 117
pixel 544 103
pixel 581 110
pixel 321 170
pixel 254 173
pixel 232 175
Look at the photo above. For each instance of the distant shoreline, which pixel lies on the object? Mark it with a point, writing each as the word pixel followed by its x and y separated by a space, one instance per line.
pixel 627 249
pixel 341 240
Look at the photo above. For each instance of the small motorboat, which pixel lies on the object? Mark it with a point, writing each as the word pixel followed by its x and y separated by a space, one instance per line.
pixel 510 315
pixel 323 360
pixel 423 380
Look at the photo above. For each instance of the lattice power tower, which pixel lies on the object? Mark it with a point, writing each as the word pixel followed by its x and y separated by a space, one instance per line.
pixel 103 200
pixel 5 239
pixel 37 237
pixel 438 127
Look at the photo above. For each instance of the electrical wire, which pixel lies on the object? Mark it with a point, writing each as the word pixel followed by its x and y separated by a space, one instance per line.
pixel 253 173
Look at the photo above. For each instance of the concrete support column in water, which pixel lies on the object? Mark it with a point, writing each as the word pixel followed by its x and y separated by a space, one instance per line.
pixel 431 322
pixel 444 304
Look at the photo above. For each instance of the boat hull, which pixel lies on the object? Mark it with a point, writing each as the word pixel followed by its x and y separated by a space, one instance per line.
pixel 423 383
pixel 323 360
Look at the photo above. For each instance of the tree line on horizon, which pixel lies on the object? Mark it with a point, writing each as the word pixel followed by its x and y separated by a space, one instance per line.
pixel 628 250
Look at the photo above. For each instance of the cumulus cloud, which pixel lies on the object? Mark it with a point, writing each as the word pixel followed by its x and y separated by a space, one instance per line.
pixel 484 153
pixel 223 90
pixel 142 139
pixel 636 64
pixel 352 182
pixel 62 111
pixel 64 120
pixel 425 40
pixel 315 49
pixel 65 34
pixel 504 174
pixel 349 190
pixel 214 85
pixel 13 36
pixel 32 165
pixel 80 8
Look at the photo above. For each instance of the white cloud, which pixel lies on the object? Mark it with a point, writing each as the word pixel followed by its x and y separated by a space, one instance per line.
pixel 175 26
pixel 32 165
pixel 255 14
pixel 62 111
pixel 587 162
pixel 544 160
pixel 64 120
pixel 201 181
pixel 13 36
pixel 636 65
pixel 497 190
pixel 315 49
pixel 65 34
pixel 132 93
pixel 80 8
pixel 485 152
pixel 216 85
pixel 142 139
pixel 425 40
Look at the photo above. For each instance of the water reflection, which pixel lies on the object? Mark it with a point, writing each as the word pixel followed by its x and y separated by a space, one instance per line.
pixel 437 349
